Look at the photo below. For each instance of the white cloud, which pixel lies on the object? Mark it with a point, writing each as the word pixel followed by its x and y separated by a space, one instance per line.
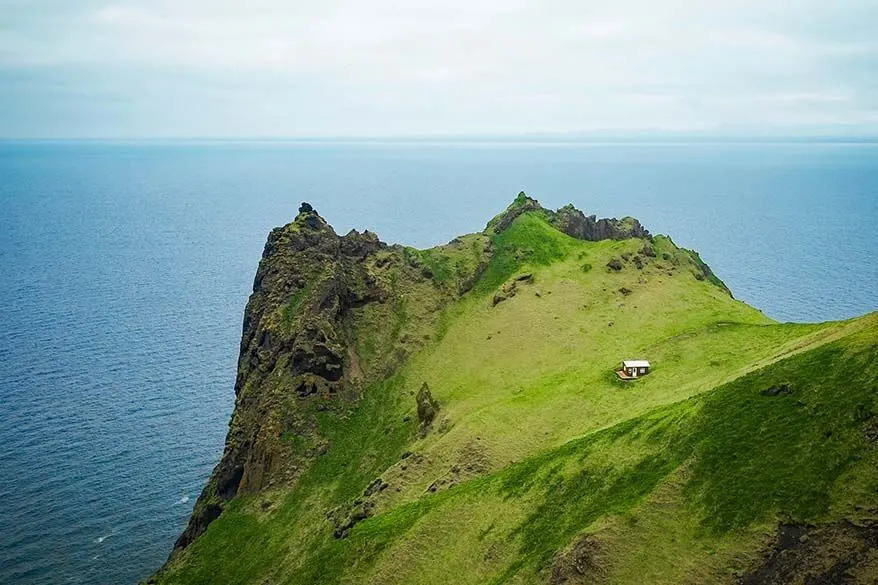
pixel 386 66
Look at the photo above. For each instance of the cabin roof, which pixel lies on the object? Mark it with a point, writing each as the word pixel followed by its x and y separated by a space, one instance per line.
pixel 635 364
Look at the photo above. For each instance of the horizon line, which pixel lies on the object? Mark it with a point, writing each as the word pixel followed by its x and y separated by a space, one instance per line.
pixel 638 136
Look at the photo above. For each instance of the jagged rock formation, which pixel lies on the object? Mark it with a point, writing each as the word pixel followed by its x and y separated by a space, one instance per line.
pixel 572 222
pixel 312 291
pixel 315 296
pixel 575 223
pixel 427 406
pixel 540 467
pixel 522 204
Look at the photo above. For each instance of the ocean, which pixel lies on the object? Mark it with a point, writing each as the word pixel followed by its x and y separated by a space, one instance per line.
pixel 125 268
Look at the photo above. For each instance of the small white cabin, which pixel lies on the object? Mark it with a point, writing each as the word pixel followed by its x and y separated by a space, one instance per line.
pixel 634 368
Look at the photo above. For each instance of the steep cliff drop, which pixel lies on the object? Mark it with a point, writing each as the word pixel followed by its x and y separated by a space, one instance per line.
pixel 452 415
pixel 316 297
pixel 298 353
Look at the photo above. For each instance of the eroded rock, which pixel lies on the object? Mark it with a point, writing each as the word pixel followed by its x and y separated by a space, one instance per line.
pixel 297 348
pixel 580 564
pixel 777 390
pixel 428 407
pixel 816 555
pixel 575 223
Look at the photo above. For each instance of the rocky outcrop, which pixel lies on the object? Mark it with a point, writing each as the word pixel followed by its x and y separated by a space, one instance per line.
pixel 298 347
pixel 428 407
pixel 315 293
pixel 703 271
pixel 819 555
pixel 522 204
pixel 510 288
pixel 575 223
pixel 582 562
pixel 572 222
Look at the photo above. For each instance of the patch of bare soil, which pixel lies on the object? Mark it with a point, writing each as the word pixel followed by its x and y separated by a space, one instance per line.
pixel 581 563
pixel 472 461
pixel 841 553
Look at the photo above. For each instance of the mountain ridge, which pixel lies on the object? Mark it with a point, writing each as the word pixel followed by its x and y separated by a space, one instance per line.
pixel 319 354
pixel 336 323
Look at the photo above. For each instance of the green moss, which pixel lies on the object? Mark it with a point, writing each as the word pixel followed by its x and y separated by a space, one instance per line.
pixel 298 443
pixel 452 263
pixel 528 241
pixel 244 546
pixel 703 271
pixel 400 317
pixel 290 309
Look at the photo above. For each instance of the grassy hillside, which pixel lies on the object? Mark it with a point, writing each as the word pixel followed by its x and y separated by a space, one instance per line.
pixel 542 467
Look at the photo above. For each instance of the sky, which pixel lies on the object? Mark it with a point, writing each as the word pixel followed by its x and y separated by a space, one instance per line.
pixel 371 68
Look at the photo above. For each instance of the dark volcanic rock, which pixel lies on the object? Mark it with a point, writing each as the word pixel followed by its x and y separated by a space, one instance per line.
pixel 815 555
pixel 360 510
pixel 297 348
pixel 522 204
pixel 499 297
pixel 428 407
pixel 582 562
pixel 379 485
pixel 777 390
pixel 614 264
pixel 575 223
pixel 510 288
pixel 572 222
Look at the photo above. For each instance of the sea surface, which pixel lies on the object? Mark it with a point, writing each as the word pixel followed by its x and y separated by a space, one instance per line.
pixel 125 268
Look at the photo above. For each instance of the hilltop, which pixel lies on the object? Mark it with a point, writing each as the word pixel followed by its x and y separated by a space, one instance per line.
pixel 452 415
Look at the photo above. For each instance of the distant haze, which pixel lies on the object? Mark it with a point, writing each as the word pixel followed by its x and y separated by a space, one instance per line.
pixel 334 68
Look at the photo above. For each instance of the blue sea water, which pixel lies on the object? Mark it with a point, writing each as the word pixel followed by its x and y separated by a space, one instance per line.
pixel 124 271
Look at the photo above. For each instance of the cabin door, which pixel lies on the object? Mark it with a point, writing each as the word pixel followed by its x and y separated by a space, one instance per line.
pixel 633 372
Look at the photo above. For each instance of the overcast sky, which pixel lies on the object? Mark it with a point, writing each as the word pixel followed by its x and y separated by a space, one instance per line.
pixel 265 68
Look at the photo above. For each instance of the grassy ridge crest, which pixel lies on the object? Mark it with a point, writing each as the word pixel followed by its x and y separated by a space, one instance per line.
pixel 541 467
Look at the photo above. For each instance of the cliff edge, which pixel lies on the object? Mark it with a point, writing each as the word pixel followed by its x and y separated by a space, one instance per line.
pixel 453 415
pixel 313 294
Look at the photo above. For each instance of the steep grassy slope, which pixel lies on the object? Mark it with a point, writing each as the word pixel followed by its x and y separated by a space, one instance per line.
pixel 541 466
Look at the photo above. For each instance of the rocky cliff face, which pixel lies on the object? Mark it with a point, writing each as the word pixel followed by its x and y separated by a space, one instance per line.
pixel 314 293
pixel 328 315
pixel 485 458
pixel 575 223
pixel 572 222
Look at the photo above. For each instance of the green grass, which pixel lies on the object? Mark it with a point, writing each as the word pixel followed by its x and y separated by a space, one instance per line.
pixel 290 310
pixel 680 476
pixel 452 262
pixel 529 240
pixel 249 544
pixel 748 459
pixel 759 454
